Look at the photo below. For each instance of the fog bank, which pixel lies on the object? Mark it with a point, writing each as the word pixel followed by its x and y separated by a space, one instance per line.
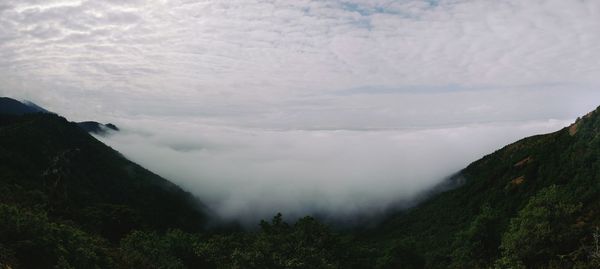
pixel 247 174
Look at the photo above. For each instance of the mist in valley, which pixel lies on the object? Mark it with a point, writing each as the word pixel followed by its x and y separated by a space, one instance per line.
pixel 245 174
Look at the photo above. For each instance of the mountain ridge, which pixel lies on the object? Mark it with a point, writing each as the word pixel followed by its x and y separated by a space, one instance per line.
pixel 75 170
pixel 10 106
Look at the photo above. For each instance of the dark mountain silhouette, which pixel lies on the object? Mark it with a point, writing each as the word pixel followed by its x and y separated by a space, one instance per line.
pixel 53 167
pixel 97 128
pixel 9 106
pixel 77 173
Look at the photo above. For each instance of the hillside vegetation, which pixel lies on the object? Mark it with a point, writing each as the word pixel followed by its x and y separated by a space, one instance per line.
pixel 57 178
pixel 532 204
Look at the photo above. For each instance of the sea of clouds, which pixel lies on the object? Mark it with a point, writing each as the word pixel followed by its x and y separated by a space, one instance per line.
pixel 248 174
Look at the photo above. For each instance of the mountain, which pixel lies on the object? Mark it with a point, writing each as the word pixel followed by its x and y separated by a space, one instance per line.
pixel 532 204
pixel 97 128
pixel 76 174
pixel 61 181
pixel 9 106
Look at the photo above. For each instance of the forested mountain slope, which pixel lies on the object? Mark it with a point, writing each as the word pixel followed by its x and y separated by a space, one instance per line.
pixel 52 168
pixel 534 203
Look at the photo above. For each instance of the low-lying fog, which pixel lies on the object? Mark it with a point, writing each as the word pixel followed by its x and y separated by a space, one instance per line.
pixel 247 173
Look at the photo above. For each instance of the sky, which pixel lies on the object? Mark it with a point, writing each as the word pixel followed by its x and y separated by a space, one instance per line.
pixel 331 106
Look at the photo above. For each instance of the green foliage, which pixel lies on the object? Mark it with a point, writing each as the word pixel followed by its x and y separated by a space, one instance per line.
pixel 479 241
pixel 175 249
pixel 223 251
pixel 543 230
pixel 30 240
pixel 305 244
pixel 401 255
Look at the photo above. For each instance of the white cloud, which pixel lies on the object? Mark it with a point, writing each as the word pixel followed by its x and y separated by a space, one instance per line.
pixel 249 174
pixel 281 48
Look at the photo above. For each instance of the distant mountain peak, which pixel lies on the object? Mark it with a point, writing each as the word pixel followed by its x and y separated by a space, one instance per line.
pixel 98 128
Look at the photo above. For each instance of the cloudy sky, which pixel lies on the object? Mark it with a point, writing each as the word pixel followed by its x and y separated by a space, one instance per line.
pixel 308 105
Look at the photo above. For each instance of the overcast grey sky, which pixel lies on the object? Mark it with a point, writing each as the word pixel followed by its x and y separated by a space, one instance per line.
pixel 302 91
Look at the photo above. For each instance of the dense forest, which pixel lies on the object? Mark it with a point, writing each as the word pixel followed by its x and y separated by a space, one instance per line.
pixel 69 201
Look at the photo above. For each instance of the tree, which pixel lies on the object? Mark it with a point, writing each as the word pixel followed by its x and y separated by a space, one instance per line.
pixel 32 241
pixel 475 246
pixel 174 249
pixel 541 232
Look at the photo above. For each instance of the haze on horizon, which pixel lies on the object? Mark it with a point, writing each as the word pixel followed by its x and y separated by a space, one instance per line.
pixel 331 107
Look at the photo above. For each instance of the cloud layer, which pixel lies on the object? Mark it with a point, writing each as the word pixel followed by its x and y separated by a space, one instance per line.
pixel 343 104
pixel 248 174
pixel 264 52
